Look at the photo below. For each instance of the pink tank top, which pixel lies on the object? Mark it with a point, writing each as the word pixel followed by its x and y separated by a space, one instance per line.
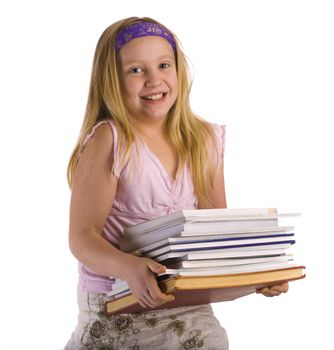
pixel 145 191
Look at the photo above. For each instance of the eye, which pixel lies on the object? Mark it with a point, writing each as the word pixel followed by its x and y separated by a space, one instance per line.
pixel 164 65
pixel 136 70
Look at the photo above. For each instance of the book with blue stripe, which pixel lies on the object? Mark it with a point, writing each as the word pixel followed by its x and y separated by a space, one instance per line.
pixel 211 240
pixel 232 253
pixel 214 245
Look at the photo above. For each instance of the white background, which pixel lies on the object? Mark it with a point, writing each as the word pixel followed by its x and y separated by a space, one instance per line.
pixel 263 68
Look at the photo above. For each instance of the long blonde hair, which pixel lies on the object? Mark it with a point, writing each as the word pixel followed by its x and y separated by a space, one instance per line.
pixel 191 136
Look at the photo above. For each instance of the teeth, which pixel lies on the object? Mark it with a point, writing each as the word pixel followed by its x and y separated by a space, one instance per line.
pixel 153 97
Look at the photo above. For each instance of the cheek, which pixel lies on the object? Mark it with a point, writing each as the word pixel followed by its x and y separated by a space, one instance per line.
pixel 130 88
pixel 176 89
pixel 175 85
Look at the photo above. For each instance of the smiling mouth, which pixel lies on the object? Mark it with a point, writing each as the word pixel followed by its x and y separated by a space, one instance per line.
pixel 155 97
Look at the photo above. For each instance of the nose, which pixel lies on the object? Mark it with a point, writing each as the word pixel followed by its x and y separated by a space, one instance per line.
pixel 153 78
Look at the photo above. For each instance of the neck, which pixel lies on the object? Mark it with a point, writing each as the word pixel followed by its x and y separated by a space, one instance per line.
pixel 149 129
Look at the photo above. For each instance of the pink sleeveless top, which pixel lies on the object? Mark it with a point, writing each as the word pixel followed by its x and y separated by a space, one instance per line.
pixel 145 191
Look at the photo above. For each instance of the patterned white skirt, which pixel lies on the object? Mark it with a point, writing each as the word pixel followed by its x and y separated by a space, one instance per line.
pixel 190 327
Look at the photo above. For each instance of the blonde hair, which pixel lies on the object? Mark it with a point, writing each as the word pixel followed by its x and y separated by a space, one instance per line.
pixel 190 135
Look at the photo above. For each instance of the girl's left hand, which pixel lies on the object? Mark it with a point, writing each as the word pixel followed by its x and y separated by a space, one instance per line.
pixel 274 290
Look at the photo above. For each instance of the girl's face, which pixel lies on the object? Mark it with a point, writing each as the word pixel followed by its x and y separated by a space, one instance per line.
pixel 149 78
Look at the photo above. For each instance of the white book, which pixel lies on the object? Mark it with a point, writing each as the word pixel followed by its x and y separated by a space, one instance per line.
pixel 127 244
pixel 223 253
pixel 229 224
pixel 118 288
pixel 229 261
pixel 204 241
pixel 211 225
pixel 215 245
pixel 201 215
pixel 225 270
pixel 124 290
pixel 264 229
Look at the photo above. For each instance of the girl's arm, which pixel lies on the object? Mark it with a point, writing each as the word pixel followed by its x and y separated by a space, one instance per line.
pixel 93 192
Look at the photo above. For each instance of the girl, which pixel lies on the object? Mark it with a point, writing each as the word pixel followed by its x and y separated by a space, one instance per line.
pixel 141 154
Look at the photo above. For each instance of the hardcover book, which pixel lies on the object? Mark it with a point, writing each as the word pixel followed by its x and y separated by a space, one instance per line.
pixel 195 290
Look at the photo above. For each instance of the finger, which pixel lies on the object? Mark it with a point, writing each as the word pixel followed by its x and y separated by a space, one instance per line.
pixel 267 292
pixel 263 290
pixel 274 293
pixel 280 288
pixel 283 287
pixel 267 295
pixel 161 298
pixel 149 302
pixel 158 296
pixel 146 301
pixel 155 267
pixel 154 295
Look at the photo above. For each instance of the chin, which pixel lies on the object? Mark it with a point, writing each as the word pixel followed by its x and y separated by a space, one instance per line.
pixel 158 115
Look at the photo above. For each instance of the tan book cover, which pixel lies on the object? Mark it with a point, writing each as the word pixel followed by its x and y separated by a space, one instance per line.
pixel 197 290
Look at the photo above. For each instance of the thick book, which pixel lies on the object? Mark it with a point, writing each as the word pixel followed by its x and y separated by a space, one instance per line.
pixel 198 215
pixel 224 270
pixel 217 237
pixel 228 261
pixel 258 251
pixel 196 290
pixel 123 288
pixel 214 246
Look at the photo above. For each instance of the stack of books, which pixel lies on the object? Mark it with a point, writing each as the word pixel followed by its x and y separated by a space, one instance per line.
pixel 211 255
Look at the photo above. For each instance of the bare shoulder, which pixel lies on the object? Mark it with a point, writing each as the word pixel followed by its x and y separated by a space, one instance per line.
pixel 101 138
pixel 96 158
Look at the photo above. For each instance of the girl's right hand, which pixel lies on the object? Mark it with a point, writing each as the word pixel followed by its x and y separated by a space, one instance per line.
pixel 139 274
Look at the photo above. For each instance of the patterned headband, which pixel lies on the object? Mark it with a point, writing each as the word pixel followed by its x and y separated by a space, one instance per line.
pixel 141 29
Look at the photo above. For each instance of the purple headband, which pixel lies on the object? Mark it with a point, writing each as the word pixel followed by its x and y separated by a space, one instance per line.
pixel 141 29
